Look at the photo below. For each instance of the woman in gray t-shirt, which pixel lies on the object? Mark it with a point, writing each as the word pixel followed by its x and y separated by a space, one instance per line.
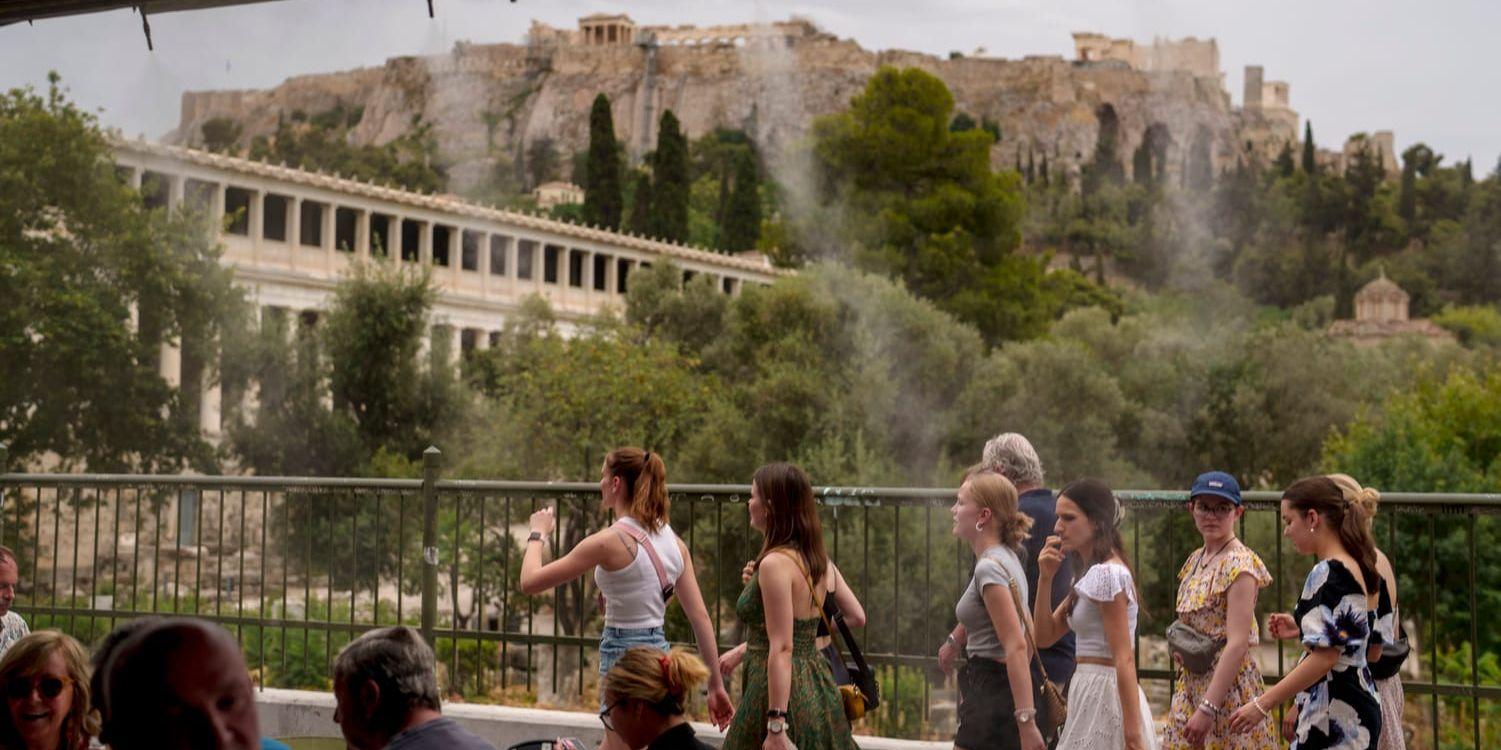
pixel 998 699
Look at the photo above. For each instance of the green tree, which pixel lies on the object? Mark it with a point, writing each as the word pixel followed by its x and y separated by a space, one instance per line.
pixel 603 201
pixel 670 183
pixel 742 222
pixel 322 143
pixel 1310 158
pixel 221 135
pixel 94 284
pixel 1284 165
pixel 661 306
pixel 921 203
pixel 372 336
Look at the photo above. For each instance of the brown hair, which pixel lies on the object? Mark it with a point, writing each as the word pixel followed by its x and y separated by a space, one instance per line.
pixel 1324 497
pixel 645 477
pixel 25 660
pixel 1104 512
pixel 994 492
pixel 662 681
pixel 791 515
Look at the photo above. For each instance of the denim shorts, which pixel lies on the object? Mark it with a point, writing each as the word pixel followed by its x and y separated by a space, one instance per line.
pixel 614 642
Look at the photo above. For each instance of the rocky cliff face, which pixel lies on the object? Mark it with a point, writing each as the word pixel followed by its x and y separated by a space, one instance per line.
pixel 488 102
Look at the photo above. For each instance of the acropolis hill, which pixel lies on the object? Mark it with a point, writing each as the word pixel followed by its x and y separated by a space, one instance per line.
pixel 485 101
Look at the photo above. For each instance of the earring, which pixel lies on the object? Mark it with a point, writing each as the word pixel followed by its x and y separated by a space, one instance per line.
pixel 979 525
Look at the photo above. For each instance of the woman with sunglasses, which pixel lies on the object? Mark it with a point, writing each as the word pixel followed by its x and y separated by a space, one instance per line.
pixel 645 692
pixel 1217 589
pixel 46 679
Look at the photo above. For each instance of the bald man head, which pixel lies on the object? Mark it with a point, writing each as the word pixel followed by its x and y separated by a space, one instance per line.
pixel 180 684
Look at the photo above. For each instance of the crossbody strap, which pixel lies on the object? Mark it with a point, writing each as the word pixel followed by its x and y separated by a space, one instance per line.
pixel 651 551
pixel 1026 617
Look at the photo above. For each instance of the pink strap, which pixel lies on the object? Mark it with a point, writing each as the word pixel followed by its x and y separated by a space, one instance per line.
pixel 651 551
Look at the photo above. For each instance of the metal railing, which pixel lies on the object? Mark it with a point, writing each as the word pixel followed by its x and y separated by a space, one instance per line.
pixel 296 567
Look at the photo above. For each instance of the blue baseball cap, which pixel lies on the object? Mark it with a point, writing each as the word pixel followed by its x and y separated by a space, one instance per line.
pixel 1216 483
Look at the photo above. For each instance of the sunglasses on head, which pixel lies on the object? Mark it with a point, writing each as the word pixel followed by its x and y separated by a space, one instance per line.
pixel 49 687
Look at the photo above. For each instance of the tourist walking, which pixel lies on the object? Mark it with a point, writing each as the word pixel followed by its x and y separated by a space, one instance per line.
pixel 998 698
pixel 1107 708
pixel 1336 698
pixel 1386 663
pixel 638 564
pixel 790 697
pixel 1216 607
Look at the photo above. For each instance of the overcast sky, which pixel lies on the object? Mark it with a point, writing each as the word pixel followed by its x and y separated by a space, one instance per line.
pixel 1427 71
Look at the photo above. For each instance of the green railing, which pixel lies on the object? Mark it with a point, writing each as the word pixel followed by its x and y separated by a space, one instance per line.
pixel 295 567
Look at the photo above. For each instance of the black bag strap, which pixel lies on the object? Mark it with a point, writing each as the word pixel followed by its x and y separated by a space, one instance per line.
pixel 844 629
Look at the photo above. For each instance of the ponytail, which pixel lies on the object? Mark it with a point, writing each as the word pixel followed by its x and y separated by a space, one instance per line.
pixel 1323 495
pixel 645 477
pixel 1364 498
pixel 662 681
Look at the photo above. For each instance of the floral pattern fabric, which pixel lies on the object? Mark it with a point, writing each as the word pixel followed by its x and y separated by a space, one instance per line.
pixel 1203 604
pixel 816 718
pixel 1342 711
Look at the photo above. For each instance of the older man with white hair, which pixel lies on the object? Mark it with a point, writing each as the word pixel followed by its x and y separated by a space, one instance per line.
pixel 386 690
pixel 1011 455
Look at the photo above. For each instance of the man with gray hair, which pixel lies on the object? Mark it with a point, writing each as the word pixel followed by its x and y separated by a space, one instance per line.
pixel 1012 456
pixel 386 692
pixel 12 627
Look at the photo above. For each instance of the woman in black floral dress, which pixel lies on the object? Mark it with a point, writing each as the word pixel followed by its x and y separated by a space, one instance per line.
pixel 1336 697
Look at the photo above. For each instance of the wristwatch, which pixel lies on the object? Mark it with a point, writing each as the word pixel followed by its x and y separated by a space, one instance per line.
pixel 776 721
pixel 535 536
pixel 1025 716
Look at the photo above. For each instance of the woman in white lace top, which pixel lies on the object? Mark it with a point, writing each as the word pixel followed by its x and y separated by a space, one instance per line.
pixel 1107 709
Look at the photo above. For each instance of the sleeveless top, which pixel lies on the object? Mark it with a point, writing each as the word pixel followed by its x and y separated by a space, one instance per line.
pixel 633 595
pixel 1101 583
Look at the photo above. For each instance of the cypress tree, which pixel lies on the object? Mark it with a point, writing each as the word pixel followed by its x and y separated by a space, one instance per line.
pixel 669 189
pixel 603 202
pixel 742 223
pixel 1284 165
pixel 1310 162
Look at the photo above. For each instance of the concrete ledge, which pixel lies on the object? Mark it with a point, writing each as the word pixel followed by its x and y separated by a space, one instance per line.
pixel 306 713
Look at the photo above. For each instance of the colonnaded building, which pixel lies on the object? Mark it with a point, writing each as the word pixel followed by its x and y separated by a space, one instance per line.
pixel 290 235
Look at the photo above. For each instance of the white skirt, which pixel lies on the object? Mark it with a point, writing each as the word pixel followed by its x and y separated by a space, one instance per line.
pixel 1094 712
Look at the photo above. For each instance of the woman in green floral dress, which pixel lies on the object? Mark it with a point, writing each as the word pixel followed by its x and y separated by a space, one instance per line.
pixel 790 697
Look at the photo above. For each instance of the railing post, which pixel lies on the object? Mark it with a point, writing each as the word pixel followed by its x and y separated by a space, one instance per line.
pixel 432 461
pixel 4 458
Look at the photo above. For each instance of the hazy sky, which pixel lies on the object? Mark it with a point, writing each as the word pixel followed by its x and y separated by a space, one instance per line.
pixel 1427 71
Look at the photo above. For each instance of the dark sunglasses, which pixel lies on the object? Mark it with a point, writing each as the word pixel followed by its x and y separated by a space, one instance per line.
pixel 49 687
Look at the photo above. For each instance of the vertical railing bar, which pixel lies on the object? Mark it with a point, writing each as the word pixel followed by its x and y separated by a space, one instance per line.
pixel 36 544
pixel 505 599
pixel 329 501
pixel 114 563
pixel 135 556
pixel 240 599
pixel 458 535
pixel 260 591
pixel 719 556
pixel 1136 556
pixel 354 564
pixel 927 633
pixel 156 558
pixel 73 586
pixel 401 553
pixel 531 622
pixel 1433 622
pixel 896 598
pixel 99 494
pixel 1474 632
pixel 286 566
pixel 57 534
pixel 479 602
pixel 380 558
pixel 1172 556
pixel 219 562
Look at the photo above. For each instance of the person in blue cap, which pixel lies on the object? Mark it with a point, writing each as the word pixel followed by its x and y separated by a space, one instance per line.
pixel 1217 589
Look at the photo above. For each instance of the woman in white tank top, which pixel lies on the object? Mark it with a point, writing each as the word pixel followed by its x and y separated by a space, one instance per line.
pixel 625 559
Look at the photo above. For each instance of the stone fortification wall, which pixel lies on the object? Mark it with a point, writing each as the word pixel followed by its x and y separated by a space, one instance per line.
pixel 487 102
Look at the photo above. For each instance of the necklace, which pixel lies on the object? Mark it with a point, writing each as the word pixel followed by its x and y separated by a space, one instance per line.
pixel 1204 560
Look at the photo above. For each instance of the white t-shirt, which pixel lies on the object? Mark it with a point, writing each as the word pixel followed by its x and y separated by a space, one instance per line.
pixel 1101 583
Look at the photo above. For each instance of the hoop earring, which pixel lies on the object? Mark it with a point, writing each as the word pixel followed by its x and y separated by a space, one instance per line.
pixel 979 525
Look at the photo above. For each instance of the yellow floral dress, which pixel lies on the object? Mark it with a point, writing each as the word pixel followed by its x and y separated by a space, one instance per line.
pixel 1203 603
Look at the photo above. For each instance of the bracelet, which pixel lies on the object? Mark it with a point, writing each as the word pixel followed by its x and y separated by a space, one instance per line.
pixel 1256 701
pixel 1024 715
pixel 1212 709
pixel 952 641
